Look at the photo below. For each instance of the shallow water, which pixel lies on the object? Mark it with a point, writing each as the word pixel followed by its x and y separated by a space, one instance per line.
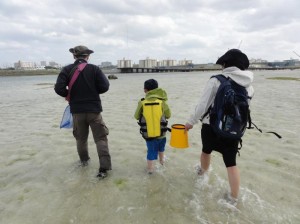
pixel 42 182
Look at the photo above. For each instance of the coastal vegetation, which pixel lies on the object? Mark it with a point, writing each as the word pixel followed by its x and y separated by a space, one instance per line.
pixel 284 78
pixel 13 72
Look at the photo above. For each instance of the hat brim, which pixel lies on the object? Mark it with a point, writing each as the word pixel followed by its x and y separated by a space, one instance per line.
pixel 86 52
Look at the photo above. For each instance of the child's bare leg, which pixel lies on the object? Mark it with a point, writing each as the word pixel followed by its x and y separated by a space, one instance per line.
pixel 161 157
pixel 150 166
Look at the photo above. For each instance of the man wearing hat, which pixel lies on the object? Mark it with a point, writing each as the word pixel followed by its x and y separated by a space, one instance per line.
pixel 234 64
pixel 86 107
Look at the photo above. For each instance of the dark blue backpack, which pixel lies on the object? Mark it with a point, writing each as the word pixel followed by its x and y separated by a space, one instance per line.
pixel 230 112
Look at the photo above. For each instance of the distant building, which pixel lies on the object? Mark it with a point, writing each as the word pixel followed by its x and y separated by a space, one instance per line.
pixel 148 63
pixel 54 64
pixel 43 63
pixel 284 63
pixel 258 63
pixel 135 65
pixel 185 62
pixel 124 63
pixel 24 65
pixel 297 62
pixel 167 63
pixel 105 64
pixel 292 62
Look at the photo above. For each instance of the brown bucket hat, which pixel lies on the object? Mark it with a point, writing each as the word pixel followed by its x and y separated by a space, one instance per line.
pixel 80 50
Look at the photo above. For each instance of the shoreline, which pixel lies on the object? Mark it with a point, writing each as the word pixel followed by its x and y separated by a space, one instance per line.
pixel 6 73
pixel 29 72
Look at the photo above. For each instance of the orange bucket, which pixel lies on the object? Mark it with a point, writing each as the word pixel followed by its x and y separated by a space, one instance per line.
pixel 179 137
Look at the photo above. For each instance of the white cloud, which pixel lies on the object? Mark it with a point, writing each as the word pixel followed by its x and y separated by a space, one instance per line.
pixel 198 30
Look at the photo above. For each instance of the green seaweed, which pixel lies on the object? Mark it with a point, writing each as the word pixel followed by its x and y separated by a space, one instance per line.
pixel 43 84
pixel 285 78
pixel 273 162
pixel 120 183
pixel 20 159
pixel 125 161
pixel 21 198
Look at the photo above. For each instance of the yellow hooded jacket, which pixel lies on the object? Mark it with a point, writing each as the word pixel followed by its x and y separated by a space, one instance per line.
pixel 152 113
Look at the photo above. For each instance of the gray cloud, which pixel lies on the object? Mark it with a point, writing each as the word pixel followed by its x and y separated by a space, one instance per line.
pixel 271 15
pixel 197 30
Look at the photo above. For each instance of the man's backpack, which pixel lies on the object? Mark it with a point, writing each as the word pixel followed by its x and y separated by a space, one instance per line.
pixel 230 112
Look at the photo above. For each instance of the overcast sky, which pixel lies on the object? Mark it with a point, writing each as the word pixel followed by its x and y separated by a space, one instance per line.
pixel 198 30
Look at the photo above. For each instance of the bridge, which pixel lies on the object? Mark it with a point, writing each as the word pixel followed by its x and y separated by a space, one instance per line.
pixel 167 69
pixel 193 69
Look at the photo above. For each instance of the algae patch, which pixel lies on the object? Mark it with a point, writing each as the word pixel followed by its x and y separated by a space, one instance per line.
pixel 120 183
pixel 273 162
pixel 285 78
pixel 45 84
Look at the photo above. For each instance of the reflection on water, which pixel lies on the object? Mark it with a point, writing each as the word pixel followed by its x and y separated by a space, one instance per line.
pixel 41 180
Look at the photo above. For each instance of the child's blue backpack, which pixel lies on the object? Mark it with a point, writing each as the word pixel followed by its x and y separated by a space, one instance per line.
pixel 230 113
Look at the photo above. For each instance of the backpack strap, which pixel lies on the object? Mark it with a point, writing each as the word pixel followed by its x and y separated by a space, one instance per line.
pixel 77 69
pixel 250 123
pixel 239 148
pixel 271 132
pixel 250 127
pixel 206 113
pixel 221 79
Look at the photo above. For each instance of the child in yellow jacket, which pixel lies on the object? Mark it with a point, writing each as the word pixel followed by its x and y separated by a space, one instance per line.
pixel 152 112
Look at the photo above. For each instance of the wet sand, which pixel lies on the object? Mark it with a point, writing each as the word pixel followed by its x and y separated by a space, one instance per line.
pixel 42 182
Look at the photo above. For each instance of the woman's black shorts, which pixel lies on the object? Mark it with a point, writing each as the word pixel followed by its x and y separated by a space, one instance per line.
pixel 227 147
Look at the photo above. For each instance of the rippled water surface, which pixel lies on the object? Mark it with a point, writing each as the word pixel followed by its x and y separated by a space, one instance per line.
pixel 42 182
